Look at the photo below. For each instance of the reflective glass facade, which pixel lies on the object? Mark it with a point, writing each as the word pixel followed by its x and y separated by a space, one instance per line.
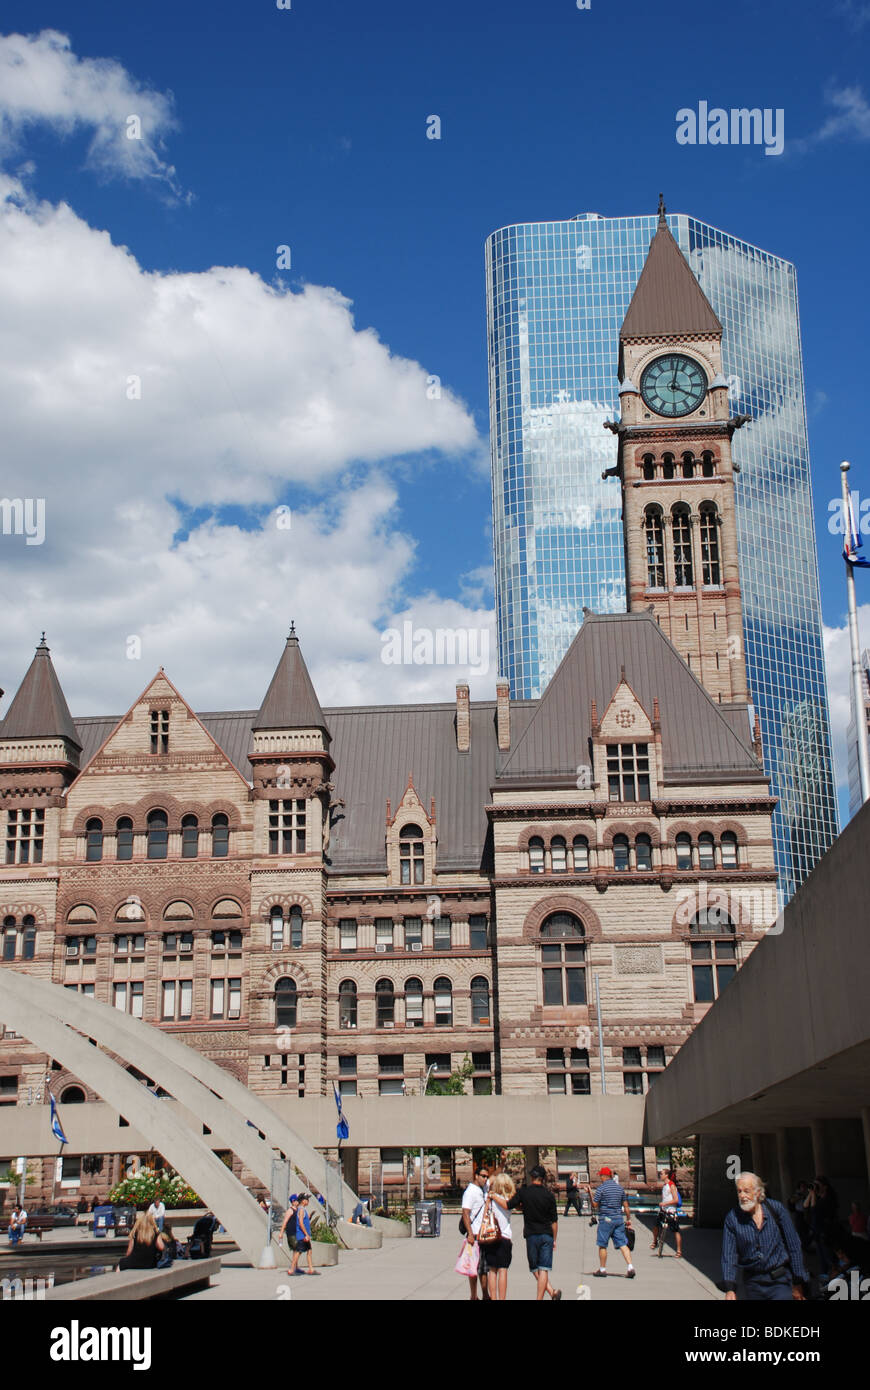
pixel 557 293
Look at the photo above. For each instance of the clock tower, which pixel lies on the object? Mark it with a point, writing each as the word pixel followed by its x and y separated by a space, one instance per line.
pixel 674 463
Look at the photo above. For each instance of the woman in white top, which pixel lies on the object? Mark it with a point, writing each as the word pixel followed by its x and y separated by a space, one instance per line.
pixel 499 1252
pixel 668 1213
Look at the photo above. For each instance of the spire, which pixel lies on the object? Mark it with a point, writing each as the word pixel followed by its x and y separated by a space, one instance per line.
pixel 291 702
pixel 39 709
pixel 668 299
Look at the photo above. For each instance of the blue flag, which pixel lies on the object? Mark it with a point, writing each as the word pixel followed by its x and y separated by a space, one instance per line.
pixel 341 1129
pixel 56 1127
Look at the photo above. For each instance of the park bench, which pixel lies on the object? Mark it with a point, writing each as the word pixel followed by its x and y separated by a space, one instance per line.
pixel 36 1225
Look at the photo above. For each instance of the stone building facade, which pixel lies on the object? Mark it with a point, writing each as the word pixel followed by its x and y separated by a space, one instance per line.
pixel 370 896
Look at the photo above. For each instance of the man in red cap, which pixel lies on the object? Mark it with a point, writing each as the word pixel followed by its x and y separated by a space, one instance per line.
pixel 614 1216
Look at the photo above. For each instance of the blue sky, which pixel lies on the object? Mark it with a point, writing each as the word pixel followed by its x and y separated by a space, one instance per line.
pixel 307 127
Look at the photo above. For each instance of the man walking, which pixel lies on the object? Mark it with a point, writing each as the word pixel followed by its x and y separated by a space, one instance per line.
pixel 540 1224
pixel 572 1195
pixel 614 1216
pixel 759 1238
pixel 473 1201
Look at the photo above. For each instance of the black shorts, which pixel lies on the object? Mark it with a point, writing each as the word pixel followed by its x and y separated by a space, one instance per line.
pixel 499 1254
pixel 303 1245
pixel 669 1219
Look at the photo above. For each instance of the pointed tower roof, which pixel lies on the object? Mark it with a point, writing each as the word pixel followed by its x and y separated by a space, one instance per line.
pixel 667 298
pixel 291 702
pixel 39 709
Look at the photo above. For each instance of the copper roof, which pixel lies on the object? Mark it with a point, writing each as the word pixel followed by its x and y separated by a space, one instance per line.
pixel 375 747
pixel 39 709
pixel 291 702
pixel 668 299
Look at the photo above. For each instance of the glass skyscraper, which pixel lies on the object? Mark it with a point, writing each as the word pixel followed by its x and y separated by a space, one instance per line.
pixel 557 293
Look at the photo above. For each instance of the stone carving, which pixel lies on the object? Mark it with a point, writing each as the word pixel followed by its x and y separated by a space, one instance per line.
pixel 638 960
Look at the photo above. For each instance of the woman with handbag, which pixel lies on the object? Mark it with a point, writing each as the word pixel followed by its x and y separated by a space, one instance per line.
pixel 496 1235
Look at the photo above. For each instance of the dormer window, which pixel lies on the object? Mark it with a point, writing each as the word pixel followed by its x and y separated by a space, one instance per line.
pixel 411 858
pixel 160 731
pixel 628 771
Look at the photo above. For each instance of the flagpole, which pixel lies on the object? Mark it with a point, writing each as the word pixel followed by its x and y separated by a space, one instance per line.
pixel 857 673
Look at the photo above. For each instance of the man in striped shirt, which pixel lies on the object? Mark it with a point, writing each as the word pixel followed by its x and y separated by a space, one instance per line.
pixel 759 1238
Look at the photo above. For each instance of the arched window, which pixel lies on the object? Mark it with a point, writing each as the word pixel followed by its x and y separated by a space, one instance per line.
pixel 29 937
pixel 94 841
pixel 683 574
pixel 643 852
pixel 563 959
pixel 286 999
pixel 729 850
pixel 276 928
pixel 347 1004
pixel 655 548
pixel 684 851
pixel 220 836
pixel 708 468
pixel 558 854
pixel 72 1095
pixel 621 854
pixel 710 568
pixel 296 927
pixel 385 1004
pixel 536 855
pixel 581 854
pixel 667 465
pixel 189 837
pixel 413 1003
pixel 10 938
pixel 158 835
pixel 688 465
pixel 411 854
pixel 480 1000
pixel 443 1002
pixel 706 852
pixel 124 831
pixel 649 467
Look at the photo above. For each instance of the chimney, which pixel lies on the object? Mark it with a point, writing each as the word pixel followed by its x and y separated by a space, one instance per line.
pixel 756 739
pixel 503 714
pixel 463 718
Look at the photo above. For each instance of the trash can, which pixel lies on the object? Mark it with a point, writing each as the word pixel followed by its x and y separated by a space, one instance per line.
pixel 104 1221
pixel 124 1218
pixel 427 1219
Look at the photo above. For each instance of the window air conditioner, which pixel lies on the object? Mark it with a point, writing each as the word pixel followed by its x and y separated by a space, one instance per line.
pixel 381 949
pixel 416 945
pixel 185 946
pixel 72 950
pixel 390 1024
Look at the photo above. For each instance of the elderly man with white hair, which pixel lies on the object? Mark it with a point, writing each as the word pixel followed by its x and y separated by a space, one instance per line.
pixel 758 1237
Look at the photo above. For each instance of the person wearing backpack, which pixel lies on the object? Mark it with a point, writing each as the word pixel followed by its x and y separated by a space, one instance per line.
pixel 759 1240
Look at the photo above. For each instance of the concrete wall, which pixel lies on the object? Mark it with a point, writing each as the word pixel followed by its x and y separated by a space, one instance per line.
pixel 394 1122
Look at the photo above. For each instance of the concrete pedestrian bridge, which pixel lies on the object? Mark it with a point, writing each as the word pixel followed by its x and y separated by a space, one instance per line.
pixel 204 1098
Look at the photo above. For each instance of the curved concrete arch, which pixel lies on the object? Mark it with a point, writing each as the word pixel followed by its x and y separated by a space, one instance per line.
pixel 195 1081
pixel 238 1211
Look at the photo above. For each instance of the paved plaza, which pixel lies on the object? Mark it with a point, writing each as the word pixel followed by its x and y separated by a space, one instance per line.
pixel 415 1270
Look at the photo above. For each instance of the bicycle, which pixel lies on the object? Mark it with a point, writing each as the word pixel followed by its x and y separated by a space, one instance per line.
pixel 667 1220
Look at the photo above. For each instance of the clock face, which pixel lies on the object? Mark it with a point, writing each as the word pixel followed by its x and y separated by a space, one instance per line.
pixel 673 385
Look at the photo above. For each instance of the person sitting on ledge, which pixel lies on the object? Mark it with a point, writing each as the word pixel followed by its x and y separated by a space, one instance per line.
pixel 145 1245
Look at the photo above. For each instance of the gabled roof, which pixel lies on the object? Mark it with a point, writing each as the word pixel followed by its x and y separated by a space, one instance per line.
pixel 697 739
pixel 39 709
pixel 668 299
pixel 291 702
